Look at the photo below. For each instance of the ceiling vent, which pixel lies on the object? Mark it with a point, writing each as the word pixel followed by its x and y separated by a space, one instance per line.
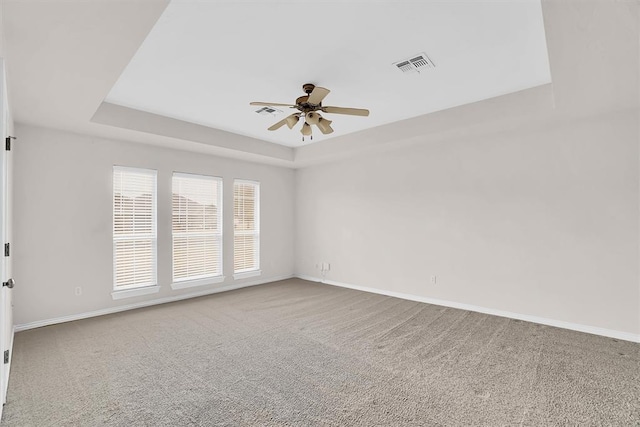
pixel 416 63
pixel 268 111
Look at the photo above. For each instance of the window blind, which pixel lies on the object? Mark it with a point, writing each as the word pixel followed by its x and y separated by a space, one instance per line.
pixel 134 227
pixel 246 226
pixel 197 227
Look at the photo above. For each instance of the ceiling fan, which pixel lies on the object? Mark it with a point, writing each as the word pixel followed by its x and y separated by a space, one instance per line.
pixel 308 106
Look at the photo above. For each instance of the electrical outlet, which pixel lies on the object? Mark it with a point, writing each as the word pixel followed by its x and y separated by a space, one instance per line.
pixel 434 280
pixel 78 290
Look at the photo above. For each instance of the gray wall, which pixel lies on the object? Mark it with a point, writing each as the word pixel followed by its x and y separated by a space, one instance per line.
pixel 540 223
pixel 63 219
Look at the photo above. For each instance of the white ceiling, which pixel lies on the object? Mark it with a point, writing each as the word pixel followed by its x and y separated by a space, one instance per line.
pixel 204 61
pixel 64 56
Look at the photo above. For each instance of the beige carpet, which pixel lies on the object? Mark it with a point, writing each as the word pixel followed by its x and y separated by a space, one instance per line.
pixel 295 353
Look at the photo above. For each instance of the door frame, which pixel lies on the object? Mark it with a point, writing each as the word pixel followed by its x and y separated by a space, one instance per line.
pixel 6 297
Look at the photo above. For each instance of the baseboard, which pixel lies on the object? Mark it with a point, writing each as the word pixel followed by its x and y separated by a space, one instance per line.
pixel 626 336
pixel 111 310
pixel 13 332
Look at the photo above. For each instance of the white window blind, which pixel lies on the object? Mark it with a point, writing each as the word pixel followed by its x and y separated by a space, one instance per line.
pixel 246 226
pixel 134 228
pixel 197 227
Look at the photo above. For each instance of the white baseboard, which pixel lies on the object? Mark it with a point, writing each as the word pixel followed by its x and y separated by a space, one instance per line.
pixel 534 319
pixel 111 310
pixel 626 336
pixel 6 380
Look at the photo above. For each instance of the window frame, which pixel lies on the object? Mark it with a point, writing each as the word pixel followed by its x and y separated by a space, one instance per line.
pixel 200 280
pixel 124 291
pixel 245 273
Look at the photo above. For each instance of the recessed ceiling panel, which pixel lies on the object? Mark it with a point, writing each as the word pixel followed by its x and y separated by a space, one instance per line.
pixel 203 62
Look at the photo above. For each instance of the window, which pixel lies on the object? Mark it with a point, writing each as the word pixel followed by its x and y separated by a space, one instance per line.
pixel 246 227
pixel 197 228
pixel 134 228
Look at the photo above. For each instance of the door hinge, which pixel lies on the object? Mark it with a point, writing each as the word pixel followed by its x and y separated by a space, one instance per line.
pixel 6 356
pixel 6 249
pixel 7 142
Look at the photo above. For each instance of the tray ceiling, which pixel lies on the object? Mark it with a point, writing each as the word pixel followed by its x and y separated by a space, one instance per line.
pixel 203 62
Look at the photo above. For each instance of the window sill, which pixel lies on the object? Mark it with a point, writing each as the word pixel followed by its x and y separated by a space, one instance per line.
pixel 247 274
pixel 129 293
pixel 199 282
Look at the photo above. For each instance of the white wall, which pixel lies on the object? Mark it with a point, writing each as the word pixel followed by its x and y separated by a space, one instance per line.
pixel 540 223
pixel 63 219
pixel 2 50
pixel 537 222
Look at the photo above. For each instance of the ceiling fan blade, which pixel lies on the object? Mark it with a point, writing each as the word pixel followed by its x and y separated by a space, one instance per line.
pixel 348 111
pixel 289 121
pixel 271 104
pixel 317 95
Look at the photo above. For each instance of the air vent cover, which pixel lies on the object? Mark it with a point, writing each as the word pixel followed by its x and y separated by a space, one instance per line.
pixel 268 111
pixel 415 63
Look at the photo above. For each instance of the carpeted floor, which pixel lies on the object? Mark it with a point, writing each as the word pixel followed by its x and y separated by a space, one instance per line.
pixel 295 353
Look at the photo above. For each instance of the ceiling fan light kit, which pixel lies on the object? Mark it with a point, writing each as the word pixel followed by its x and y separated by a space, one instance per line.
pixel 292 120
pixel 309 105
pixel 324 125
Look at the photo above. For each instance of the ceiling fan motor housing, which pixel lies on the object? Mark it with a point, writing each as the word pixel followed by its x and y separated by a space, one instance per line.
pixel 302 103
